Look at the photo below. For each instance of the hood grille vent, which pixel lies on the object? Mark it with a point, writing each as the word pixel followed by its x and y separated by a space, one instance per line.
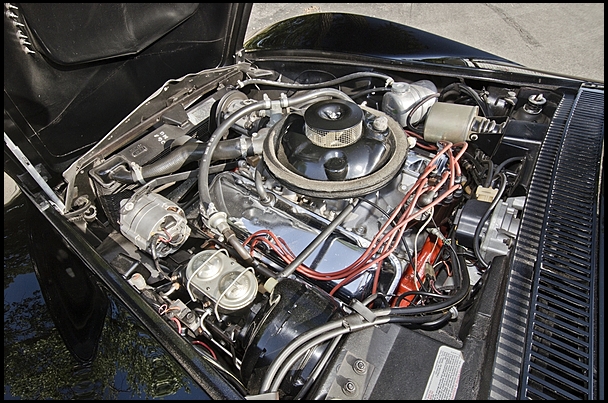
pixel 556 260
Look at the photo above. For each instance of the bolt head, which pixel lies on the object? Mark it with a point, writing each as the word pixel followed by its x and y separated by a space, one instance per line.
pixel 349 387
pixel 359 366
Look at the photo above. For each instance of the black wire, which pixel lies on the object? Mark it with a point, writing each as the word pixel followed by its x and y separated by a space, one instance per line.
pixel 376 297
pixel 421 294
pixel 227 375
pixel 437 323
pixel 468 156
pixel 461 277
pixel 474 290
pixel 474 170
pixel 489 174
pixel 463 88
pixel 482 105
pixel 480 260
pixel 377 207
pixel 417 320
pixel 413 108
pixel 153 242
pixel 509 161
pixel 369 91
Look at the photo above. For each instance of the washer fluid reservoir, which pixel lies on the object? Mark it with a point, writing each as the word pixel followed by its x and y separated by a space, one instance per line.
pixel 398 102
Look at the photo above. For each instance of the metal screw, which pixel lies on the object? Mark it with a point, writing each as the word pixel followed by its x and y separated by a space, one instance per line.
pixel 360 230
pixel 360 367
pixel 189 317
pixel 350 387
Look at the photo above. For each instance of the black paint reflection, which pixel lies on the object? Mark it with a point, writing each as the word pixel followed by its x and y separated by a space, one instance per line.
pixel 358 34
pixel 128 364
pixel 73 298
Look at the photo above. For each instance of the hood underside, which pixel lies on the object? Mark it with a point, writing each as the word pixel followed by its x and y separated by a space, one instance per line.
pixel 74 71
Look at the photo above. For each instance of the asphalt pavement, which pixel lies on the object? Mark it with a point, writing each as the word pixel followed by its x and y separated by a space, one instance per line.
pixel 565 38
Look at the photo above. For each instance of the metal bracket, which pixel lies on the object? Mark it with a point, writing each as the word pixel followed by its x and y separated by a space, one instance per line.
pixel 351 380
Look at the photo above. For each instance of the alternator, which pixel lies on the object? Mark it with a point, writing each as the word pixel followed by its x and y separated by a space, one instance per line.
pixel 153 221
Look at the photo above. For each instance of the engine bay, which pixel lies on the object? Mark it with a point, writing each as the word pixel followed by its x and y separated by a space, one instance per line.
pixel 310 231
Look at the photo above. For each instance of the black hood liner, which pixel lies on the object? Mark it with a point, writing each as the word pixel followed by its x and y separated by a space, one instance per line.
pixel 80 69
pixel 72 33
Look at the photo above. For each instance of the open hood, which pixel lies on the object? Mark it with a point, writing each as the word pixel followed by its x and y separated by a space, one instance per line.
pixel 360 35
pixel 342 208
pixel 74 71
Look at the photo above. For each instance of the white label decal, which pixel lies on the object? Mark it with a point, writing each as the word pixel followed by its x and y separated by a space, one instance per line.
pixel 444 379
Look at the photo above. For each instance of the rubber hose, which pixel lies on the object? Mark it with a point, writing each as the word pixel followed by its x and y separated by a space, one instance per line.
pixel 339 80
pixel 183 155
pixel 203 179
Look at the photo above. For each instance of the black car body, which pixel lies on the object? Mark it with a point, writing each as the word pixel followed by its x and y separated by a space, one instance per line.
pixel 321 213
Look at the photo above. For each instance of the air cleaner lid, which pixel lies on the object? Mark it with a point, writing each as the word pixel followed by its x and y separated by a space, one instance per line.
pixel 333 123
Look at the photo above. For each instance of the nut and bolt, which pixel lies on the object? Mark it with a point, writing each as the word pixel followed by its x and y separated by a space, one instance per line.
pixel 349 387
pixel 361 230
pixel 360 367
